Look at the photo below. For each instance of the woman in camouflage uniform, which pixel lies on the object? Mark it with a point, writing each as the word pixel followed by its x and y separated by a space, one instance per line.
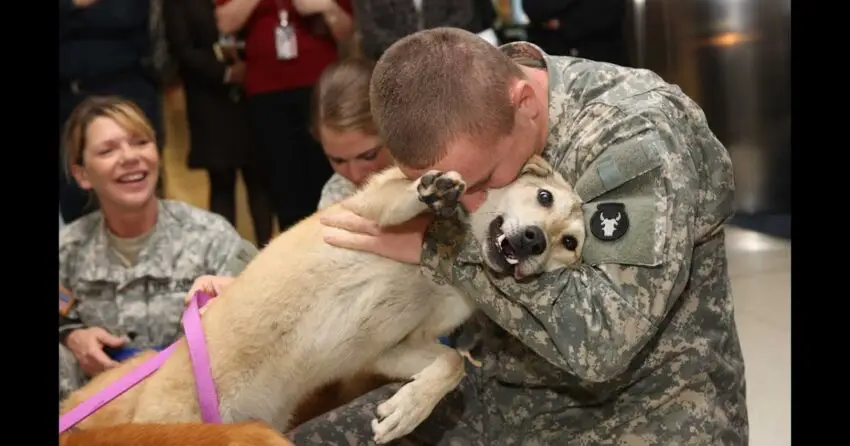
pixel 124 270
pixel 342 122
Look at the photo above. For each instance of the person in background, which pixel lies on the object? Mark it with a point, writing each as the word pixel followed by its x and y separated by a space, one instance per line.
pixel 105 48
pixel 221 141
pixel 382 22
pixel 484 20
pixel 591 29
pixel 288 43
pixel 124 271
pixel 342 122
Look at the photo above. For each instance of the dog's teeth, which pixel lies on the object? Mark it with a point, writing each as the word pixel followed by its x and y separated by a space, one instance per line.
pixel 500 239
pixel 511 260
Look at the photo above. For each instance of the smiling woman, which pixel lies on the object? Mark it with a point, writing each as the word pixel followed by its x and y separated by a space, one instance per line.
pixel 111 151
pixel 128 266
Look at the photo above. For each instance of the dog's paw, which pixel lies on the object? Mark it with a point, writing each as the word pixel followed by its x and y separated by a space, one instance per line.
pixel 441 191
pixel 399 415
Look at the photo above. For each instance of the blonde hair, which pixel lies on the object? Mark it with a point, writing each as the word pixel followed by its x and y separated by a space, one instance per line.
pixel 434 86
pixel 124 112
pixel 341 98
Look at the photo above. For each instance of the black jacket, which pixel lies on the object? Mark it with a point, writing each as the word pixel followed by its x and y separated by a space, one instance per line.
pixel 219 132
pixel 103 40
pixel 591 29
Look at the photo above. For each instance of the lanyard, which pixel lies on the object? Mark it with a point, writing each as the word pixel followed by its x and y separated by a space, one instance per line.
pixel 282 13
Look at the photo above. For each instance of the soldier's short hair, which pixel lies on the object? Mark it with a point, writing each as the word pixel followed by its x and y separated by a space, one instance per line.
pixel 437 85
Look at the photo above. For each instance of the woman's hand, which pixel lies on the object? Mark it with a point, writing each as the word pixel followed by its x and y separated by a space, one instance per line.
pixel 402 243
pixel 87 346
pixel 307 7
pixel 212 285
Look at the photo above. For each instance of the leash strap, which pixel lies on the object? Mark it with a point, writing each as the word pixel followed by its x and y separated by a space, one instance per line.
pixel 198 353
pixel 207 396
pixel 114 390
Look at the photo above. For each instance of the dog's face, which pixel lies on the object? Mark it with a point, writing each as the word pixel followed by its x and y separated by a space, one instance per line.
pixel 531 226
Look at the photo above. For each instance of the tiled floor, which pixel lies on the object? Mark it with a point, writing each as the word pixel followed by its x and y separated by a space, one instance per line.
pixel 760 267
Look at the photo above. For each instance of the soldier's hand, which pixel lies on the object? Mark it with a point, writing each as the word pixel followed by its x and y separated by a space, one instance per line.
pixel 402 243
pixel 87 345
pixel 212 285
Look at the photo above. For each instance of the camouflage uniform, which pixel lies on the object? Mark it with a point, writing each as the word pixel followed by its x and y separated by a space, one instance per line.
pixel 638 346
pixel 336 189
pixel 145 302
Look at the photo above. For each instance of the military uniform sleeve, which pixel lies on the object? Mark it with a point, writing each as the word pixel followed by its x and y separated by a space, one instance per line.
pixel 336 189
pixel 69 320
pixel 592 320
pixel 229 253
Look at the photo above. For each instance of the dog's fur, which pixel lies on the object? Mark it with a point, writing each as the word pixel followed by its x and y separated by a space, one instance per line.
pixel 182 434
pixel 304 313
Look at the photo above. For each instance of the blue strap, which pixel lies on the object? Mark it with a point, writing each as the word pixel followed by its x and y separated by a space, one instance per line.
pixel 120 354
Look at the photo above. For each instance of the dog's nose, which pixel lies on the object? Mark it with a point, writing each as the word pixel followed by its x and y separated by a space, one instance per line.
pixel 530 241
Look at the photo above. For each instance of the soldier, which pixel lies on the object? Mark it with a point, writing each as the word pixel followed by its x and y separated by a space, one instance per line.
pixel 124 270
pixel 636 346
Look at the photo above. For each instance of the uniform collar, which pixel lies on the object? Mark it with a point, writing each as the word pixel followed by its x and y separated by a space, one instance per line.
pixel 530 55
pixel 155 260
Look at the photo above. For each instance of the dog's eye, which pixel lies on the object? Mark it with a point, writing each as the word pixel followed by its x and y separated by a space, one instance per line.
pixel 570 242
pixel 544 197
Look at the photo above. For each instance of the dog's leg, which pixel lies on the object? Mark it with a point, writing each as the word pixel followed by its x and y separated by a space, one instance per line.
pixel 435 370
pixel 391 199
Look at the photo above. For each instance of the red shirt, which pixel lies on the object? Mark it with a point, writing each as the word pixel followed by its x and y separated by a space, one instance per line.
pixel 263 71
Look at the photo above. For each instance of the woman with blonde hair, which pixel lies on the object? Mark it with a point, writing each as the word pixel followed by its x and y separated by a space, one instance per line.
pixel 128 266
pixel 341 120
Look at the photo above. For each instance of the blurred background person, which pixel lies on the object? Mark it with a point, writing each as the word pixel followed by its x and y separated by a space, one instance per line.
pixel 124 271
pixel 107 47
pixel 221 141
pixel 382 22
pixel 288 43
pixel 484 20
pixel 342 122
pixel 592 29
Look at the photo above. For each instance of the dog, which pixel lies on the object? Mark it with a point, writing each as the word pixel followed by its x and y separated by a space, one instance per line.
pixel 304 313
pixel 250 433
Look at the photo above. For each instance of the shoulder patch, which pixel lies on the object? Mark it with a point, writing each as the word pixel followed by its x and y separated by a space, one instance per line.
pixel 609 222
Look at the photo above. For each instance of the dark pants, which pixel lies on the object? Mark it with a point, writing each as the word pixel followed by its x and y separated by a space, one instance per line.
pixel 297 167
pixel 223 199
pixel 456 421
pixel 138 88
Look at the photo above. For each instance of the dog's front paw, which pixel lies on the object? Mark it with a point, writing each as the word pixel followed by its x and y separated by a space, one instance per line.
pixel 401 414
pixel 441 191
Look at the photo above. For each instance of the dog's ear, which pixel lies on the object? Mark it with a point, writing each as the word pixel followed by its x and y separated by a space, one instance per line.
pixel 538 167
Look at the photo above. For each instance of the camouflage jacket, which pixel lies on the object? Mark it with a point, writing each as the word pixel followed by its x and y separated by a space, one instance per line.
pixel 145 302
pixel 336 189
pixel 646 316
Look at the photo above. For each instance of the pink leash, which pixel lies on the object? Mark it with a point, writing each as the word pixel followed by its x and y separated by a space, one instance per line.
pixel 204 385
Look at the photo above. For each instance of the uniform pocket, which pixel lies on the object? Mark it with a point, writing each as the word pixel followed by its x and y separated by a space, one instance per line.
pixel 96 305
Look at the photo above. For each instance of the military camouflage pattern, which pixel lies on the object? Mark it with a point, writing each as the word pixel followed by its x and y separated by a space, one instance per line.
pixel 145 302
pixel 638 345
pixel 336 189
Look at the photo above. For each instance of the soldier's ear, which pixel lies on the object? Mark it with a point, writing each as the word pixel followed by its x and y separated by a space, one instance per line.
pixel 537 166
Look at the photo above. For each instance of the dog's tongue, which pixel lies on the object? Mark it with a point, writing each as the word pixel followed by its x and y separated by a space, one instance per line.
pixel 517 274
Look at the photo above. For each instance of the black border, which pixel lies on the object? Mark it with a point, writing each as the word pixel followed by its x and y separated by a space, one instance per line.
pixel 30 327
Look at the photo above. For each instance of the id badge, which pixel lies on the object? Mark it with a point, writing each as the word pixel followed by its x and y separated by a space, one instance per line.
pixel 285 41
